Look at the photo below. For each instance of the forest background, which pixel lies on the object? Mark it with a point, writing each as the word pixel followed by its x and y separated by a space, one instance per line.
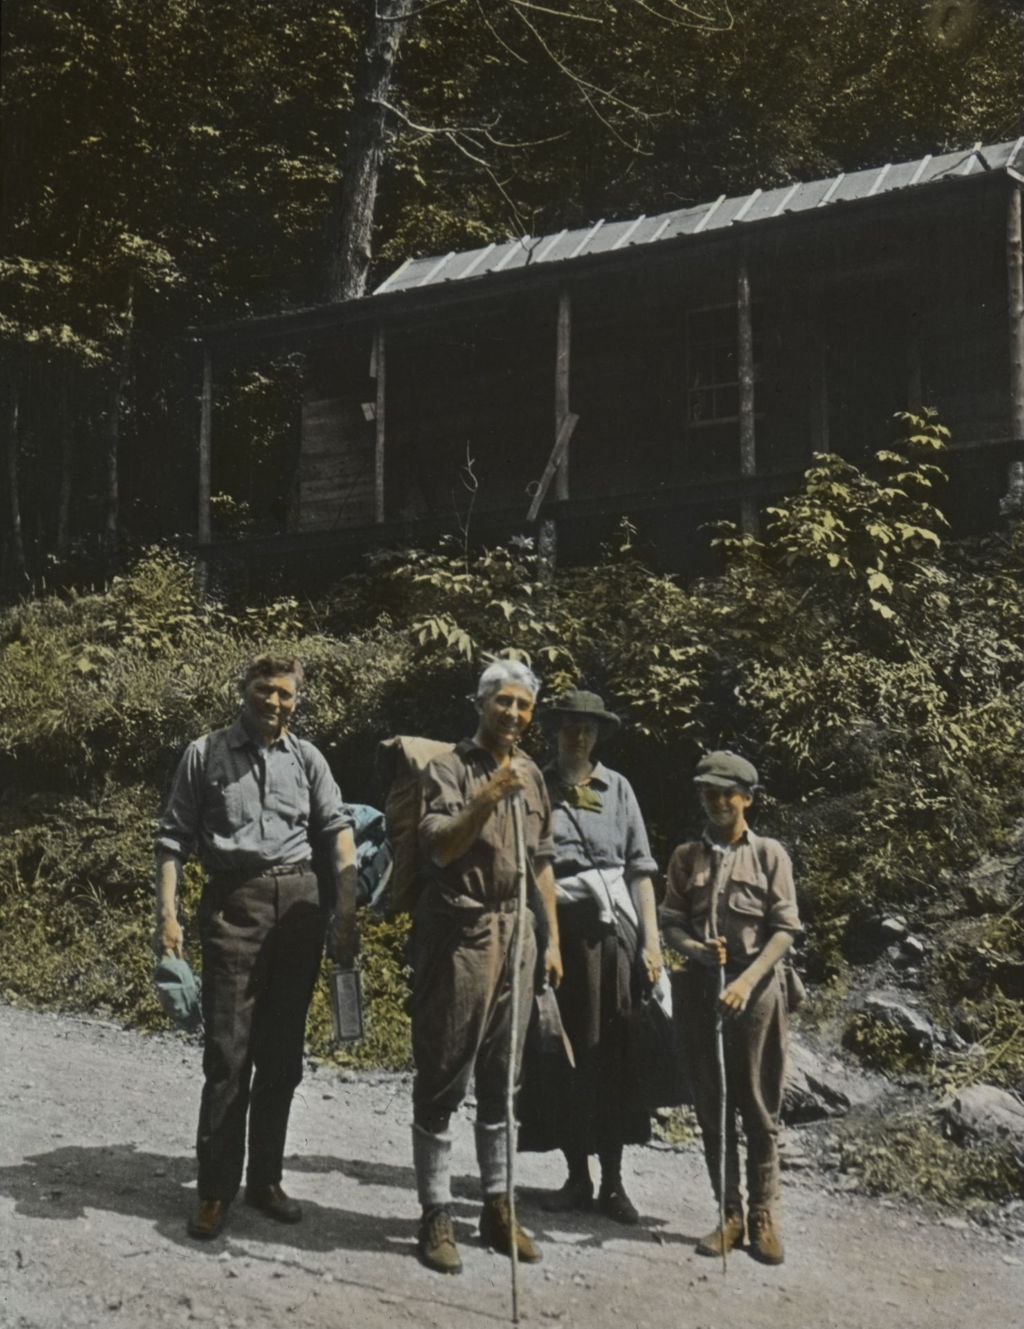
pixel 174 164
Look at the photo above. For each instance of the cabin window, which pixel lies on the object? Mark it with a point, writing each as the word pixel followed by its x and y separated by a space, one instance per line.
pixel 712 373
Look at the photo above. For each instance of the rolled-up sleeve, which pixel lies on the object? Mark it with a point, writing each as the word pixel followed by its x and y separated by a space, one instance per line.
pixel 443 799
pixel 178 829
pixel 783 914
pixel 639 860
pixel 328 813
pixel 675 908
pixel 545 849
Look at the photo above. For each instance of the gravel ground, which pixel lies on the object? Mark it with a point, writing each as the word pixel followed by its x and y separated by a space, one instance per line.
pixel 96 1179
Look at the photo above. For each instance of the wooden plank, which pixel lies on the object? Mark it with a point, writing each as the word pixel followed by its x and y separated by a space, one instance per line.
pixel 557 456
pixel 745 377
pixel 380 363
pixel 562 368
pixel 205 446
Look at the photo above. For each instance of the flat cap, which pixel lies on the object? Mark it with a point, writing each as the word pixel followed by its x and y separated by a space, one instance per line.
pixel 726 770
pixel 178 991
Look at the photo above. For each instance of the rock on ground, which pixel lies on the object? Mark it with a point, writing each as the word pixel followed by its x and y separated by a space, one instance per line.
pixel 985 1112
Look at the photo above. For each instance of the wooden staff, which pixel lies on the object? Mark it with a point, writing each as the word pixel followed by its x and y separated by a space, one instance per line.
pixel 720 1059
pixel 513 1044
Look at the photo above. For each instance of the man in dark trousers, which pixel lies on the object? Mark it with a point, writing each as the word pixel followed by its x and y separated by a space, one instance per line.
pixel 463 934
pixel 252 801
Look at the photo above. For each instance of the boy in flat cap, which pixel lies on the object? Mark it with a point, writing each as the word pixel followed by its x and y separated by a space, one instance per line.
pixel 730 902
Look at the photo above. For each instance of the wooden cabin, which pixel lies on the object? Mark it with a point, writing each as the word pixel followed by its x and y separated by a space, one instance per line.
pixel 674 369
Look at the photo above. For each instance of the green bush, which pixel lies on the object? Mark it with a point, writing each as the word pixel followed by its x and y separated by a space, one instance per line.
pixel 910 1156
pixel 874 673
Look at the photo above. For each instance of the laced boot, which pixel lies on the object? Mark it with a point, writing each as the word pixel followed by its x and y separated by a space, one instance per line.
pixel 496 1231
pixel 721 1240
pixel 436 1241
pixel 765 1237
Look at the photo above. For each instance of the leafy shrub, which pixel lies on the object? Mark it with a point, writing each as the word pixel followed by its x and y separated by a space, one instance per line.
pixel 911 1157
pixel 873 673
pixel 883 1046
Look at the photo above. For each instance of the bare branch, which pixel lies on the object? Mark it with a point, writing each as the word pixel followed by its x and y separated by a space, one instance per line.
pixel 557 13
pixel 693 18
pixel 570 73
pixel 497 35
pixel 448 131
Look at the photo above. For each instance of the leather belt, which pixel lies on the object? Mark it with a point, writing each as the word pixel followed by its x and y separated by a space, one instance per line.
pixel 231 879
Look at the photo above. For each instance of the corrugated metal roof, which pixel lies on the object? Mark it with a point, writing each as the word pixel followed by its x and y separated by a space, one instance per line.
pixel 759 205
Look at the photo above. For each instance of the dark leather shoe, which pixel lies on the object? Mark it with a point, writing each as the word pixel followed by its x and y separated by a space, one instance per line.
pixel 208 1219
pixel 272 1201
pixel 616 1205
pixel 576 1194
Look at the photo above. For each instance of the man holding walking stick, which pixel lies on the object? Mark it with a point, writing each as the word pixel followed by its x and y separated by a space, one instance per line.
pixel 463 937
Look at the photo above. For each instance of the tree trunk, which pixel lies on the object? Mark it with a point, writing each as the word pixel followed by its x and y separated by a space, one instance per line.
pixel 17 542
pixel 65 430
pixel 350 225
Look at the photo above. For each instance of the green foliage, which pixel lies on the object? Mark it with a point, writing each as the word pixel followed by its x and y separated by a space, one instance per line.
pixel 882 1045
pixel 889 742
pixel 385 975
pixel 909 1156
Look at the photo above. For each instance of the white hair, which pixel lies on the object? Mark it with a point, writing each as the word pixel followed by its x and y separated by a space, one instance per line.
pixel 506 671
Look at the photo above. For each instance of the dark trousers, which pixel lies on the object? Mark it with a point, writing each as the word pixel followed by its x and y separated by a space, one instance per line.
pixel 755 1066
pixel 262 940
pixel 461 1009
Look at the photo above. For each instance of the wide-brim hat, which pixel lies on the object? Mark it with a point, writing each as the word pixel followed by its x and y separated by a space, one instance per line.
pixel 726 770
pixel 582 705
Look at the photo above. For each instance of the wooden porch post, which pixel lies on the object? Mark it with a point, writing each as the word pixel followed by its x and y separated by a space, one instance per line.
pixel 380 369
pixel 1015 276
pixel 205 439
pixel 817 401
pixel 562 359
pixel 745 377
pixel 1012 504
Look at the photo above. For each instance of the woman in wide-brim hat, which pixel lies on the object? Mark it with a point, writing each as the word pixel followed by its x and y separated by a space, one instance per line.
pixel 610 947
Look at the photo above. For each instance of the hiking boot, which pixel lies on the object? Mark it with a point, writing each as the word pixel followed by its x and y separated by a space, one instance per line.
pixel 436 1242
pixel 208 1219
pixel 722 1239
pixel 765 1238
pixel 615 1204
pixel 496 1230
pixel 577 1193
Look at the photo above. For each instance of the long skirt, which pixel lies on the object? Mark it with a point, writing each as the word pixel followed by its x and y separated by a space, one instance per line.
pixel 595 1106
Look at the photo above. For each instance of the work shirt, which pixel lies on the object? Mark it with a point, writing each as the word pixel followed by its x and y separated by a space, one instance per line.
pixel 486 873
pixel 243 807
pixel 750 885
pixel 615 833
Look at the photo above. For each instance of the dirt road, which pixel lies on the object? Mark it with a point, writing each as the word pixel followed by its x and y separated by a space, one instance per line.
pixel 96 1180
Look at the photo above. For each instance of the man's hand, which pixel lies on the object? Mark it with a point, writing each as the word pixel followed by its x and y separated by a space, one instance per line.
pixel 506 780
pixel 168 938
pixel 553 964
pixel 736 995
pixel 712 953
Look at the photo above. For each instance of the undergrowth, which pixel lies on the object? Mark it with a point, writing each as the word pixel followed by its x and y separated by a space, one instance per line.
pixel 909 1156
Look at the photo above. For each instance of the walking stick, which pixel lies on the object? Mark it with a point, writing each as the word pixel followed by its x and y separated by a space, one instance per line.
pixel 513 1043
pixel 720 1059
pixel 720 1056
